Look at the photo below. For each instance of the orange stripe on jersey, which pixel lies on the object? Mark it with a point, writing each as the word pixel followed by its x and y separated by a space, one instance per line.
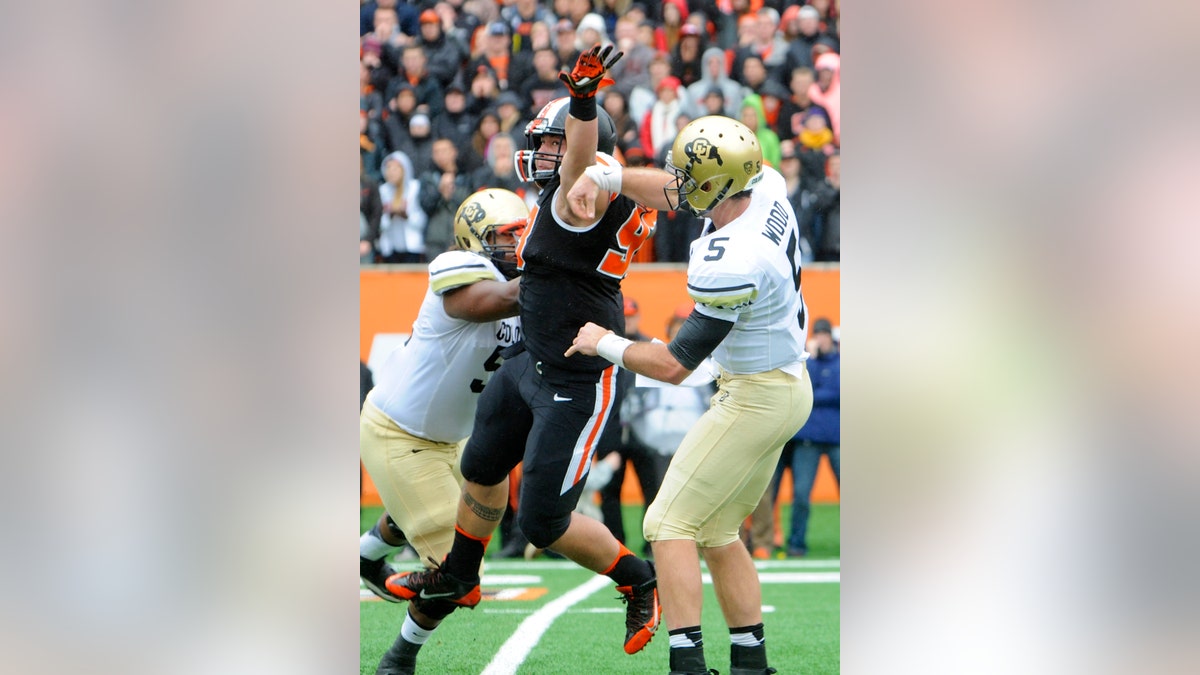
pixel 524 236
pixel 605 403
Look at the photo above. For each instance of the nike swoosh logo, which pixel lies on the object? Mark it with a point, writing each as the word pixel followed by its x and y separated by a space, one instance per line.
pixel 434 596
pixel 560 399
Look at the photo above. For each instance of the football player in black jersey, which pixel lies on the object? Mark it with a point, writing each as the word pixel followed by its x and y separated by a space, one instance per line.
pixel 540 407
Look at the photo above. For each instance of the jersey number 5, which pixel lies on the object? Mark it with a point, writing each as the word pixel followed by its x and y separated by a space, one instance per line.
pixel 633 233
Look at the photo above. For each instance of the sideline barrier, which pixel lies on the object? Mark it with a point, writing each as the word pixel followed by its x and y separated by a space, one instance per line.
pixel 390 297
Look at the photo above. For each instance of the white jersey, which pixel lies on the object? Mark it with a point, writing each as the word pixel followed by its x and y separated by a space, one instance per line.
pixel 430 385
pixel 748 272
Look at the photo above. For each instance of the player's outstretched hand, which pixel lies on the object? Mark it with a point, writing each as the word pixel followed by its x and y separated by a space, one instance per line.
pixel 585 341
pixel 588 75
pixel 582 197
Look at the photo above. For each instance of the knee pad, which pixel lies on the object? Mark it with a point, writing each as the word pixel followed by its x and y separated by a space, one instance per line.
pixel 541 530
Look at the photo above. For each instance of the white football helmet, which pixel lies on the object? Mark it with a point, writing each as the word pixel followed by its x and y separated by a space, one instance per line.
pixel 713 158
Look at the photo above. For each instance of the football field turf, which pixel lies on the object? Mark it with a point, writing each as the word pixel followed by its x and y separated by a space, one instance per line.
pixel 551 616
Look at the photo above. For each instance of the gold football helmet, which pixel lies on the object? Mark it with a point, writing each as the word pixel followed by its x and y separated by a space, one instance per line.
pixel 713 158
pixel 485 214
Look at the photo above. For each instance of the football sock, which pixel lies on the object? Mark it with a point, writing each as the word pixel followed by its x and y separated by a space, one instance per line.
pixel 628 569
pixel 747 636
pixel 684 638
pixel 466 555
pixel 413 632
pixel 372 546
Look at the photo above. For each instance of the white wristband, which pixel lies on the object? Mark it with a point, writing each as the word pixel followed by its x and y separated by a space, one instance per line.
pixel 613 348
pixel 605 177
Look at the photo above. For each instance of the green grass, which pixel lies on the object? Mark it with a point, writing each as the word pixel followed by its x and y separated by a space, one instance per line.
pixel 802 619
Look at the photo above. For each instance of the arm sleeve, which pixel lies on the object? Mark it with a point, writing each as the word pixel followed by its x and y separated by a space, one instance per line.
pixel 697 338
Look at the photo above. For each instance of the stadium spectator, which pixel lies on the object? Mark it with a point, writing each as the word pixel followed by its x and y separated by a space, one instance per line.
pixel 572 10
pixel 793 110
pixel 686 61
pixel 713 103
pixel 372 82
pixel 752 117
pixel 377 72
pixel 485 89
pixel 714 77
pixel 790 169
pixel 658 126
pixel 498 170
pixel 523 17
pixel 827 91
pixel 816 134
pixel 402 227
pixel 509 108
pixel 402 15
pixel 674 12
pixel 754 74
pixel 564 42
pixel 445 53
pixel 821 435
pixel 420 147
pixel 414 72
pixel 371 148
pixel 806 23
pixel 545 85
pixel 633 70
pixel 443 190
pixel 617 107
pixel 590 32
pixel 455 123
pixel 496 54
pixel 827 12
pixel 827 213
pixel 521 68
pixel 400 110
pixel 370 211
pixel 773 95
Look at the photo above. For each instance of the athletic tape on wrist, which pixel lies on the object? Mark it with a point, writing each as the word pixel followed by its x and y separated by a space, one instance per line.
pixel 613 348
pixel 606 177
pixel 583 109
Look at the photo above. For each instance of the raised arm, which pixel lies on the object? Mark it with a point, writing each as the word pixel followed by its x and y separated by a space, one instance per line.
pixel 582 128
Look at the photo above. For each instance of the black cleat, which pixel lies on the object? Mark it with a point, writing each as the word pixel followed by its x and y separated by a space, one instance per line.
pixel 374 574
pixel 642 612
pixel 434 584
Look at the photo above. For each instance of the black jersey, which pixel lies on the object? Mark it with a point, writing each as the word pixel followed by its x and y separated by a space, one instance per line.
pixel 572 276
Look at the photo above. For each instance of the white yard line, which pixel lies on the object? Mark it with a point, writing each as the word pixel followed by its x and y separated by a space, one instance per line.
pixel 513 652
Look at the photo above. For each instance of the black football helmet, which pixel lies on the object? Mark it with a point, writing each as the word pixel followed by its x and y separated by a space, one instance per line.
pixel 551 120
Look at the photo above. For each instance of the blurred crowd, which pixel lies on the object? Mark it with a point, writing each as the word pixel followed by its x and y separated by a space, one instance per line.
pixel 447 88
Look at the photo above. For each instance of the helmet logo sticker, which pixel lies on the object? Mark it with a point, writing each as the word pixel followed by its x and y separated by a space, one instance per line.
pixel 701 149
pixel 752 167
pixel 473 213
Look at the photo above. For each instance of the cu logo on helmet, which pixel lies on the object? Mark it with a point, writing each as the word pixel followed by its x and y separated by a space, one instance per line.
pixel 474 213
pixel 700 149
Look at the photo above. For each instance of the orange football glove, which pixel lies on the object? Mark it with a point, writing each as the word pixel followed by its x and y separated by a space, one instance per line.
pixel 588 75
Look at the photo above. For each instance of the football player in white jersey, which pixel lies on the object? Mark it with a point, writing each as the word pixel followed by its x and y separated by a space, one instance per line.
pixel 744 274
pixel 418 415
